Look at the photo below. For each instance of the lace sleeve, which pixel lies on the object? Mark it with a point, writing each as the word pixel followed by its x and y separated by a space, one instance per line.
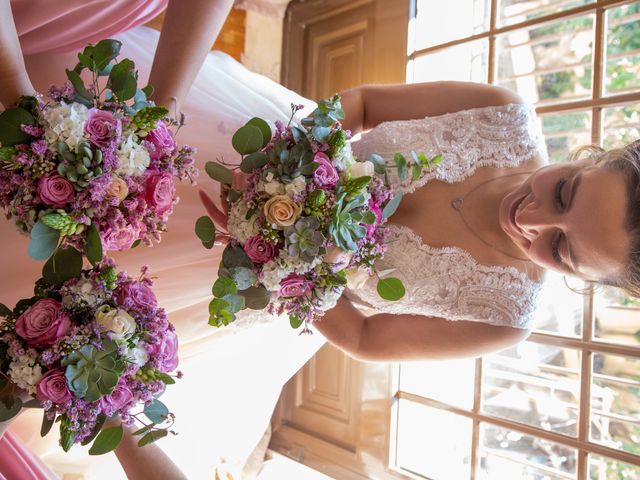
pixel 501 136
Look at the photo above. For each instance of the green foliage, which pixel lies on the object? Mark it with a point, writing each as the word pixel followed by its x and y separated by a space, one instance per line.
pixel 219 173
pixel 61 221
pixel 107 440
pixel 219 312
pixel 295 322
pixel 10 406
pixel 247 139
pixel 392 205
pixel 47 424
pixel 44 241
pixel 93 373
pixel 243 277
pixel 390 289
pixel 67 436
pixel 253 161
pixel 83 95
pixel 156 411
pixel 224 286
pixel 96 429
pixel 256 298
pixel 93 249
pixel 152 436
pixel 146 119
pixel 556 84
pixel 123 80
pixel 10 122
pixel 206 231
pixel 64 264
pixel 264 128
pixel 235 256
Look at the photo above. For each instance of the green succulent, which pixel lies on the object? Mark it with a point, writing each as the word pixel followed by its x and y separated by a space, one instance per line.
pixel 60 220
pixel 304 239
pixel 287 164
pixel 93 373
pixel 109 275
pixel 147 118
pixel 346 221
pixel 82 167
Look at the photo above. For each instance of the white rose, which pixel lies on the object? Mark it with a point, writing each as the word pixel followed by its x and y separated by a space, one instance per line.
pixel 328 297
pixel 115 320
pixel 64 123
pixel 357 278
pixel 298 185
pixel 137 355
pixel 362 169
pixel 134 158
pixel 343 159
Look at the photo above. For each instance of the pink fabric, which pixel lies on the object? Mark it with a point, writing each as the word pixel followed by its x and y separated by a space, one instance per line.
pixel 67 25
pixel 18 463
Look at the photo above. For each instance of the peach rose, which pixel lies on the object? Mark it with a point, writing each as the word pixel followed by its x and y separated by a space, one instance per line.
pixel 117 188
pixel 281 211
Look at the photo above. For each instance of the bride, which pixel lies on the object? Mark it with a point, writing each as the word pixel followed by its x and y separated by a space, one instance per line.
pixel 471 240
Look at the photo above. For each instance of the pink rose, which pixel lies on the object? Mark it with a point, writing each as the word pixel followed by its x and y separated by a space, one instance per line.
pixel 295 285
pixel 53 386
pixel 138 294
pixel 117 399
pixel 160 191
pixel 55 190
pixel 260 250
pixel 161 142
pixel 43 323
pixel 166 352
pixel 372 228
pixel 101 127
pixel 116 239
pixel 326 174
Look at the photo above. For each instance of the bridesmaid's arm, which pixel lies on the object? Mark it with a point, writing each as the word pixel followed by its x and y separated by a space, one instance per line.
pixel 14 80
pixel 368 105
pixel 189 30
pixel 399 338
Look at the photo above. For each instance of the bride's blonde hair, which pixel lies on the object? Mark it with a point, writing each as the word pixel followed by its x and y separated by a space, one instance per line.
pixel 627 161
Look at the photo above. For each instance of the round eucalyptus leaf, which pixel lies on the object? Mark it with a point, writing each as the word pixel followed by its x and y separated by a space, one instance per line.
pixel 205 229
pixel 256 298
pixel 391 289
pixel 244 277
pixel 93 250
pixel 392 205
pixel 44 241
pixel 157 411
pixel 264 128
pixel 235 257
pixel 64 264
pixel 223 286
pixel 295 321
pixel 10 121
pixel 247 139
pixel 107 440
pixel 152 436
pixel 253 161
pixel 219 173
pixel 236 302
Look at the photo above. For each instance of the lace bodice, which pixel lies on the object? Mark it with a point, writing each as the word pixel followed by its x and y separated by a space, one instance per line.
pixel 448 282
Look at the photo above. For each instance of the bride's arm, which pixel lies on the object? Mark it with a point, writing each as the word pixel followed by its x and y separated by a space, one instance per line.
pixel 14 80
pixel 398 338
pixel 189 30
pixel 368 105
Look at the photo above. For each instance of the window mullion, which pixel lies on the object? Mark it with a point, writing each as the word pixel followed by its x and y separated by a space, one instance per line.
pixel 477 405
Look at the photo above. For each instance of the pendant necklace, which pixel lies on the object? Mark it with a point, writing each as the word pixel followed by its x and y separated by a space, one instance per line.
pixel 457 205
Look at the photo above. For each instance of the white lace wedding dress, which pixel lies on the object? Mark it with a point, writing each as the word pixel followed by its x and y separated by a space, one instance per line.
pixel 232 381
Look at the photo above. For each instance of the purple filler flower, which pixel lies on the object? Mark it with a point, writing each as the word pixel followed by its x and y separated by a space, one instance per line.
pixel 326 174
pixel 295 285
pixel 53 386
pixel 101 127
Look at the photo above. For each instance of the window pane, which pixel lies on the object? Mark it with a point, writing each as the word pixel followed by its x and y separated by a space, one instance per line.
pixel 505 454
pixel 548 62
pixel 435 24
pixel 432 442
pixel 516 11
pixel 565 132
pixel 621 125
pixel 559 309
pixel 623 49
pixel 617 316
pixel 615 411
pixel 534 384
pixel 603 468
pixel 466 62
pixel 433 380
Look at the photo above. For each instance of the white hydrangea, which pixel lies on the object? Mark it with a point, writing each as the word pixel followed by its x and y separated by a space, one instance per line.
pixel 83 291
pixel 298 185
pixel 271 275
pixel 24 372
pixel 343 159
pixel 134 158
pixel 137 355
pixel 295 264
pixel 239 227
pixel 64 123
pixel 328 297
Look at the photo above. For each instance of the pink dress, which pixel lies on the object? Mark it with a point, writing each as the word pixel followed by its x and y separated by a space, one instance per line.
pixel 257 361
pixel 18 463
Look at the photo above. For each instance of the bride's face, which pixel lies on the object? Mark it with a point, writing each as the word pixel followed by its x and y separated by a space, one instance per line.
pixel 570 218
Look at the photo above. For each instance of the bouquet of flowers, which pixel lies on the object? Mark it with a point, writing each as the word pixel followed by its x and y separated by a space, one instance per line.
pixel 91 348
pixel 94 168
pixel 309 215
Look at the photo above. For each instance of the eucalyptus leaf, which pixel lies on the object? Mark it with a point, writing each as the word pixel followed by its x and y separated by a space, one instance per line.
pixel 86 61
pixel 95 430
pixel 256 298
pixel 93 249
pixel 83 95
pixel 247 139
pixel 236 302
pixel 243 277
pixel 123 80
pixel 295 322
pixel 321 133
pixel 224 286
pixel 369 218
pixel 136 243
pixel 206 230
pixel 10 122
pixel 392 205
pixel 33 403
pixel 253 161
pixel 64 264
pixel 67 437
pixel 401 164
pixel 380 166
pixel 152 436
pixel 235 256
pixel 104 52
pixel 47 424
pixel 264 128
pixel 148 90
pixel 5 311
pixel 10 406
pixel 164 378
pixel 157 411
pixel 107 440
pixel 44 241
pixel 218 305
pixel 416 171
pixel 144 429
pixel 391 289
pixel 219 173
